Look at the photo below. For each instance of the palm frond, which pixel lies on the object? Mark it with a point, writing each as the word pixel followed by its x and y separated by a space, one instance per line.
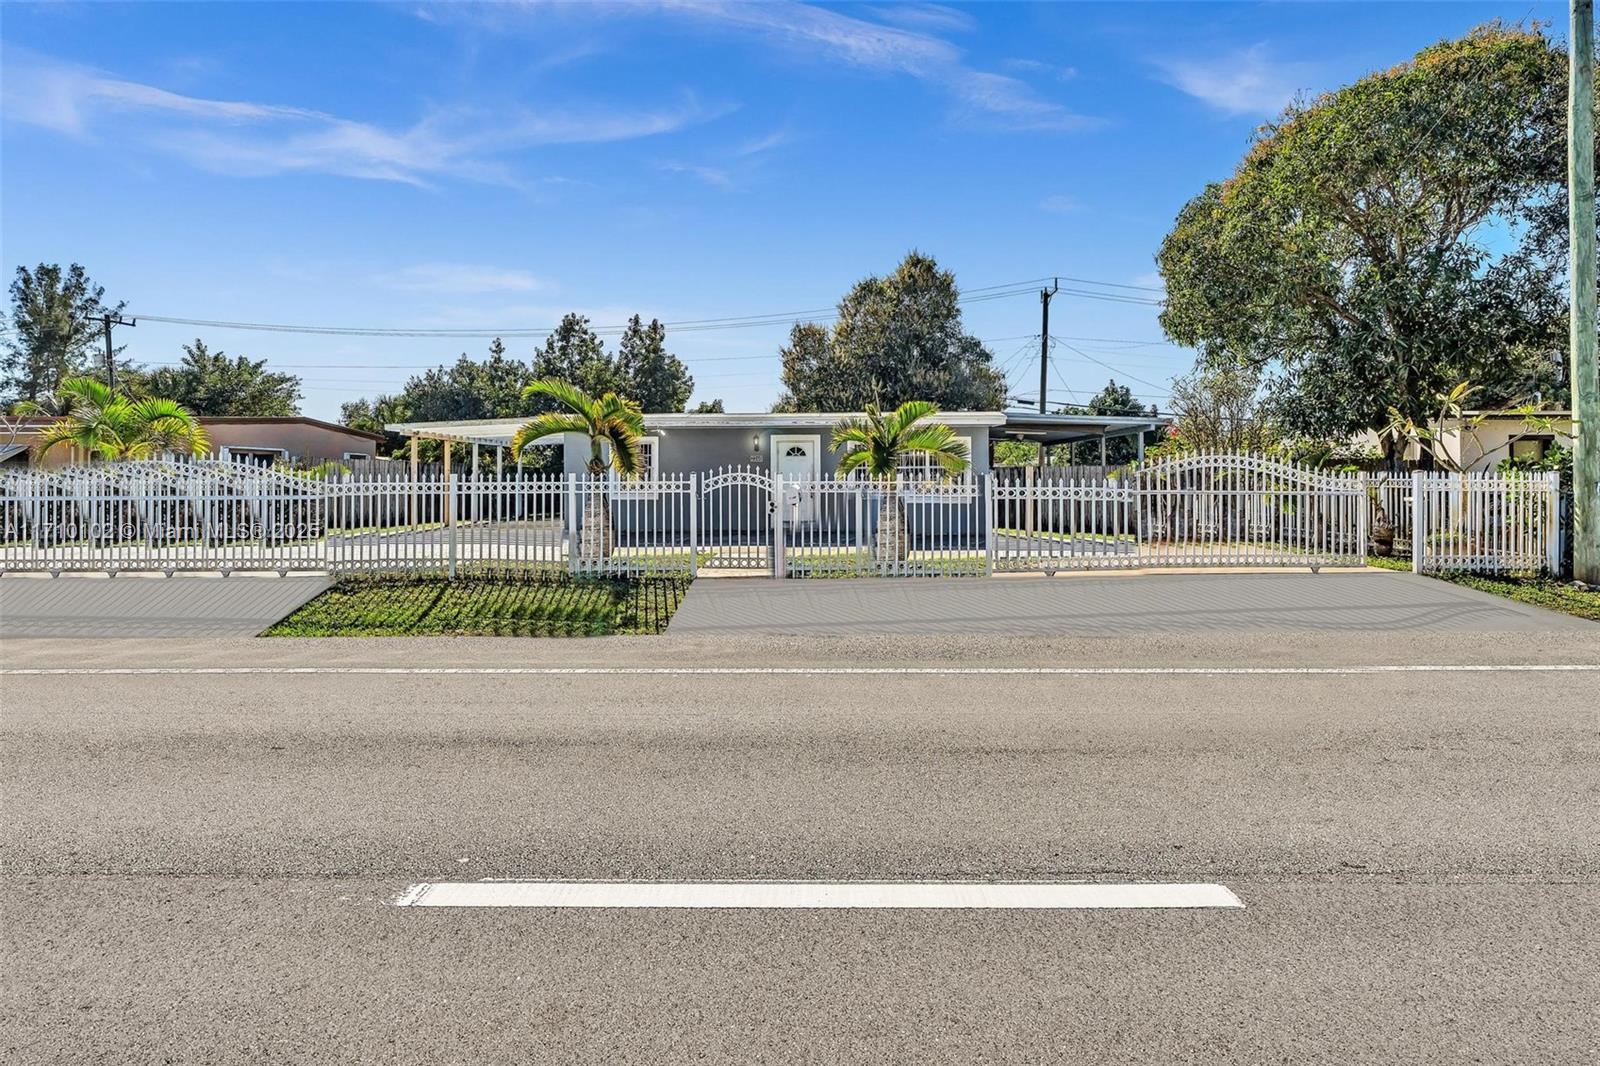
pixel 543 425
pixel 909 414
pixel 564 393
pixel 938 442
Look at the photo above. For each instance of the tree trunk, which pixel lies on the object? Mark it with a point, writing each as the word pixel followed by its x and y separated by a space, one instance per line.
pixel 597 538
pixel 889 546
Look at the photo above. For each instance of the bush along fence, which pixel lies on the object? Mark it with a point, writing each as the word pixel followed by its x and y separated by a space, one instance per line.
pixel 1198 510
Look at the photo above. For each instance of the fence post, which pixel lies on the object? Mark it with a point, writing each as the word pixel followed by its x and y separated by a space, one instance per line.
pixel 1362 518
pixel 1419 522
pixel 1552 523
pixel 450 523
pixel 572 523
pixel 780 502
pixel 694 525
pixel 989 524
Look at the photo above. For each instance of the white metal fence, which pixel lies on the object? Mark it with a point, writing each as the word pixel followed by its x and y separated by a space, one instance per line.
pixel 1485 522
pixel 1200 510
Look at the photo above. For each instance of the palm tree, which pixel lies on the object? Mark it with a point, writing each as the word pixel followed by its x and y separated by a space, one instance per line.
pixel 607 420
pixel 93 418
pixel 878 441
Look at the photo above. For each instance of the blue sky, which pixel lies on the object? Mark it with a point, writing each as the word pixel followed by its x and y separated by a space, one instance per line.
pixel 464 167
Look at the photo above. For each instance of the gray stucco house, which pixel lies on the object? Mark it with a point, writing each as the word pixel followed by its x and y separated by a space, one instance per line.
pixel 739 459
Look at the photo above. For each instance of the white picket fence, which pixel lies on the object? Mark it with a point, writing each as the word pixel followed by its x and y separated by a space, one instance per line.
pixel 1192 511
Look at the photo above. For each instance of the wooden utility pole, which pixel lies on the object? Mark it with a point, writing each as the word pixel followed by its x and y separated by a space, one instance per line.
pixel 1044 344
pixel 111 356
pixel 1581 226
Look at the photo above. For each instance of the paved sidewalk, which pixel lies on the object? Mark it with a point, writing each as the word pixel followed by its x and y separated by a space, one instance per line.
pixel 137 605
pixel 1105 605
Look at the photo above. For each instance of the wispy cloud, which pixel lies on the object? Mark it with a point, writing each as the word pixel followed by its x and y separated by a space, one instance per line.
pixel 459 278
pixel 1246 82
pixel 932 17
pixel 1038 67
pixel 765 143
pixel 258 139
pixel 903 41
pixel 1060 205
pixel 715 176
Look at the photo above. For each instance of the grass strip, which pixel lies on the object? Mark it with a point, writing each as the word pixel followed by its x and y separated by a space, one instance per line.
pixel 514 603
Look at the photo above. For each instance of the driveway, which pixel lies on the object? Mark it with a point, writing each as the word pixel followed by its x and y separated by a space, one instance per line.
pixel 137 605
pixel 1119 604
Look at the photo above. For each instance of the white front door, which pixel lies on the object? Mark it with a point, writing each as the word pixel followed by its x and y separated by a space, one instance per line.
pixel 797 459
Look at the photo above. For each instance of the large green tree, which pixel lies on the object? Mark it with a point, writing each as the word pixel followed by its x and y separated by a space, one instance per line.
pixel 53 330
pixel 897 338
pixel 653 377
pixel 212 384
pixel 1386 241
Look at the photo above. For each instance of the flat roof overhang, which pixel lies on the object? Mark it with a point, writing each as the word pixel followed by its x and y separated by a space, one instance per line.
pixel 1035 428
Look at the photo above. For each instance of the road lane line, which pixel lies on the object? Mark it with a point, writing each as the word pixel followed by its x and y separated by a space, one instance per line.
pixel 803 895
pixel 742 671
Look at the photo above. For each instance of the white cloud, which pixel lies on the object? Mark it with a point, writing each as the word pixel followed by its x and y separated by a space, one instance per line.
pixel 256 139
pixel 459 278
pixel 766 143
pixel 1245 82
pixel 1060 205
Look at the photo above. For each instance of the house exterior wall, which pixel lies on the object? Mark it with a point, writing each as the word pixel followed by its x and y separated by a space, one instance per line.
pixel 704 451
pixel 1481 447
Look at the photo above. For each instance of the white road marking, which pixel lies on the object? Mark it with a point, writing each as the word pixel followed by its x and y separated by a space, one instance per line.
pixel 701 671
pixel 804 895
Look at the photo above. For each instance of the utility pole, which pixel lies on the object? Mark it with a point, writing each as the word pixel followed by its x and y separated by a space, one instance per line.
pixel 1044 339
pixel 1585 371
pixel 111 357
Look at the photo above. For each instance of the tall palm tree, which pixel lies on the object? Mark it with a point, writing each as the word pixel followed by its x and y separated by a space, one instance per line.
pixel 877 443
pixel 608 421
pixel 93 418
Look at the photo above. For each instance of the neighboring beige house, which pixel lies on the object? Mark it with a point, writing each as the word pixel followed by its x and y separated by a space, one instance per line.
pixel 1479 440
pixel 259 440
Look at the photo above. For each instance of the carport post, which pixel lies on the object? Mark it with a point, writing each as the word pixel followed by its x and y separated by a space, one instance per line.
pixel 1102 452
pixel 1139 445
pixel 474 479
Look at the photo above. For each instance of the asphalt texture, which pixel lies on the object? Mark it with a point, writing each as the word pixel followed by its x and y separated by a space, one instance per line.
pixel 1112 604
pixel 184 605
pixel 199 867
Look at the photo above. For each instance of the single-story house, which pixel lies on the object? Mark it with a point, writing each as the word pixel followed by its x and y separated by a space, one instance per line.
pixel 1480 440
pixel 296 438
pixel 792 446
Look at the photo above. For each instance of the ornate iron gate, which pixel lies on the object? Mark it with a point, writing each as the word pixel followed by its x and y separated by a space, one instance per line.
pixel 738 520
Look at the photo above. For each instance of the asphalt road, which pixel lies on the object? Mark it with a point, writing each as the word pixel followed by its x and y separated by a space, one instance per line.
pixel 198 867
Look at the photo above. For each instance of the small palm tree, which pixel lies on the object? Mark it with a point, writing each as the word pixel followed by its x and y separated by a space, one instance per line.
pixel 607 420
pixel 93 418
pixel 878 441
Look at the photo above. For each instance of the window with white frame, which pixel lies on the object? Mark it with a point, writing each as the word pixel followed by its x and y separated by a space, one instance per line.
pixel 921 479
pixel 649 471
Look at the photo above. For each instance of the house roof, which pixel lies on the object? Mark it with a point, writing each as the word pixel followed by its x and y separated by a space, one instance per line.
pixel 31 422
pixel 1022 425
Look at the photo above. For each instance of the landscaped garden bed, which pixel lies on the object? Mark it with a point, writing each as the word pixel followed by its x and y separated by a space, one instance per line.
pixel 505 604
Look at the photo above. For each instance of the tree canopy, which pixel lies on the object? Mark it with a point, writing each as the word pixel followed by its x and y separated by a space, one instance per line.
pixel 211 384
pixel 897 338
pixel 1116 401
pixel 1388 240
pixel 55 329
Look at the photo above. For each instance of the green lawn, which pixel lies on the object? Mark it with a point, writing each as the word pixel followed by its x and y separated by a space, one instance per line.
pixel 1547 592
pixel 510 604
